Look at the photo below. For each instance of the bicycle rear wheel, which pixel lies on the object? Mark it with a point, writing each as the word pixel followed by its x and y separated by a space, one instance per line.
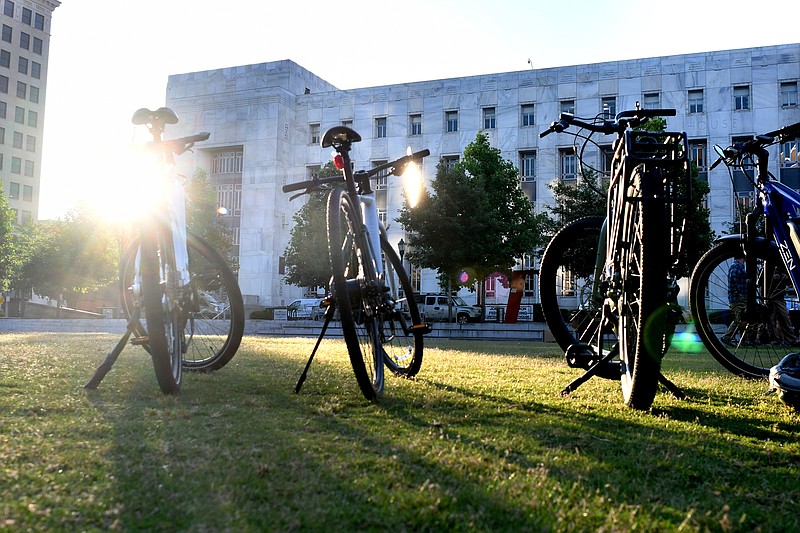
pixel 641 293
pixel 157 267
pixel 755 345
pixel 401 328
pixel 357 292
pixel 572 308
pixel 214 309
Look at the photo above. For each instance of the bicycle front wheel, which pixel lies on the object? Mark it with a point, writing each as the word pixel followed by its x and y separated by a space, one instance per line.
pixel 214 321
pixel 641 292
pixel 157 269
pixel 357 292
pixel 401 329
pixel 759 339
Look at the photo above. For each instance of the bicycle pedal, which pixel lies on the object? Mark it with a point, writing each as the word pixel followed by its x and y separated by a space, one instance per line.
pixel 139 341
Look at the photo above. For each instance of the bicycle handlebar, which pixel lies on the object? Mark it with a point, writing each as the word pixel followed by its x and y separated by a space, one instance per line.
pixel 623 120
pixel 181 144
pixel 397 167
pixel 755 146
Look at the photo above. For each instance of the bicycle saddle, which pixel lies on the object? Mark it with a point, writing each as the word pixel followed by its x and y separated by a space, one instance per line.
pixel 339 135
pixel 159 117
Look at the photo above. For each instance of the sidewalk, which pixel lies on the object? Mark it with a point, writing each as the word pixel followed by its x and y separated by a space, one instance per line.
pixel 532 331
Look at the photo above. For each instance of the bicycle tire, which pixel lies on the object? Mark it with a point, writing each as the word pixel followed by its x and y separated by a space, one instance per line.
pixel 642 292
pixel 213 330
pixel 356 292
pixel 401 336
pixel 573 314
pixel 708 302
pixel 156 266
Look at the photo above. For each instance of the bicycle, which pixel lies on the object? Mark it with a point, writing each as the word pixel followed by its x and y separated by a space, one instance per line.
pixel 770 242
pixel 608 285
pixel 174 279
pixel 369 287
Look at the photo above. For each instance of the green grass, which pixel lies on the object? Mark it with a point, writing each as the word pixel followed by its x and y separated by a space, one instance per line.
pixel 481 441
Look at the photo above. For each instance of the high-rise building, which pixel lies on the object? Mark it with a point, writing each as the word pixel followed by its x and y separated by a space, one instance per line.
pixel 266 121
pixel 24 50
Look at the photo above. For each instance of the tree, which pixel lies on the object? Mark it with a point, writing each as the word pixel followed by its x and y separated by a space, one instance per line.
pixel 62 258
pixel 8 257
pixel 202 216
pixel 307 260
pixel 478 220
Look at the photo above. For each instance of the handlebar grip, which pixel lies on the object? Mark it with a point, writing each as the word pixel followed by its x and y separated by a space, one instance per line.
pixel 290 187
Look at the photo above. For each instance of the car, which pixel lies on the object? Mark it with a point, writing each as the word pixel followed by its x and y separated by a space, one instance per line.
pixel 303 309
pixel 436 307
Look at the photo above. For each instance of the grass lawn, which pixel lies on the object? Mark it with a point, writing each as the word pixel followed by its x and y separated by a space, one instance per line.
pixel 481 441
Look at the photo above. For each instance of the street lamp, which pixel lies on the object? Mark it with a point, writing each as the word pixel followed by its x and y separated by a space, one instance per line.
pixel 401 247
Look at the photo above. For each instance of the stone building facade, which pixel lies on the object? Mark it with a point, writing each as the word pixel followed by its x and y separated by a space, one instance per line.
pixel 266 120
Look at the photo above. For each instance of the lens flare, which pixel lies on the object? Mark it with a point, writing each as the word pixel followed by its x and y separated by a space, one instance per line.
pixel 412 182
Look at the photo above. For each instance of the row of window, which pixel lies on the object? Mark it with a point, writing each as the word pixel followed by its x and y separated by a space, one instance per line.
pixel 35 44
pixel 19 115
pixel 527 117
pixel 18 138
pixel 14 192
pixel 24 66
pixel 20 167
pixel 24 91
pixel 27 16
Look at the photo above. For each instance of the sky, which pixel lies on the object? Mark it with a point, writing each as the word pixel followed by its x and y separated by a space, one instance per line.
pixel 111 57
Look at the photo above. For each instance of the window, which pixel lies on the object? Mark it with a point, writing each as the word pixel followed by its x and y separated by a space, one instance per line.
pixel 451 119
pixel 19 115
pixel 609 105
pixel 38 21
pixel 450 160
pixel 13 191
pixel 17 142
pixel 415 124
pixel 27 16
pixel 383 216
pixel 33 119
pixel 527 166
pixel 37 46
pixel 567 106
pixel 24 41
pixel 2 135
pixel 606 156
pixel 380 128
pixel 8 8
pixel 22 65
pixel 29 166
pixel 698 154
pixel 16 165
pixel 229 196
pixel 5 58
pixel 22 89
pixel 741 98
pixel 4 84
pixel 27 217
pixel 7 33
pixel 226 163
pixel 27 193
pixel 528 112
pixel 789 153
pixel 3 106
pixel 36 70
pixel 489 118
pixel 789 94
pixel 33 94
pixel 30 143
pixel 313 134
pixel 569 164
pixel 347 123
pixel 651 100
pixel 696 101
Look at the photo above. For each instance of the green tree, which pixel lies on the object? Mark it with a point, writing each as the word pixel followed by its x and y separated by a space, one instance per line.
pixel 307 260
pixel 478 220
pixel 8 256
pixel 63 258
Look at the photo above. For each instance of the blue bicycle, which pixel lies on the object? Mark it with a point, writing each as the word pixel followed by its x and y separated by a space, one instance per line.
pixel 750 335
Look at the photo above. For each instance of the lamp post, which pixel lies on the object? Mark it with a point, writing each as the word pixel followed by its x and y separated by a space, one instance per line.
pixel 401 247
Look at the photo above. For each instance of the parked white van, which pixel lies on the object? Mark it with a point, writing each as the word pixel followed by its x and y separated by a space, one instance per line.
pixel 303 309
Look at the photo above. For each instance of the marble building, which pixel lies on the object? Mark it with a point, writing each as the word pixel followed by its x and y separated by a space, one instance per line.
pixel 266 120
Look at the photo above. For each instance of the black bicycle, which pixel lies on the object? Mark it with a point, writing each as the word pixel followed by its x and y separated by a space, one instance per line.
pixel 608 285
pixel 370 289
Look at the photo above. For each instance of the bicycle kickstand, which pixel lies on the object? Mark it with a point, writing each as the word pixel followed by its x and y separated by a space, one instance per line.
pixel 111 358
pixel 589 374
pixel 671 387
pixel 329 310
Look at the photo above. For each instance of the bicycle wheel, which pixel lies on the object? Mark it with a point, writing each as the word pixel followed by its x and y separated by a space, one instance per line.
pixel 572 309
pixel 641 290
pixel 215 310
pixel 157 269
pixel 356 291
pixel 401 329
pixel 756 345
